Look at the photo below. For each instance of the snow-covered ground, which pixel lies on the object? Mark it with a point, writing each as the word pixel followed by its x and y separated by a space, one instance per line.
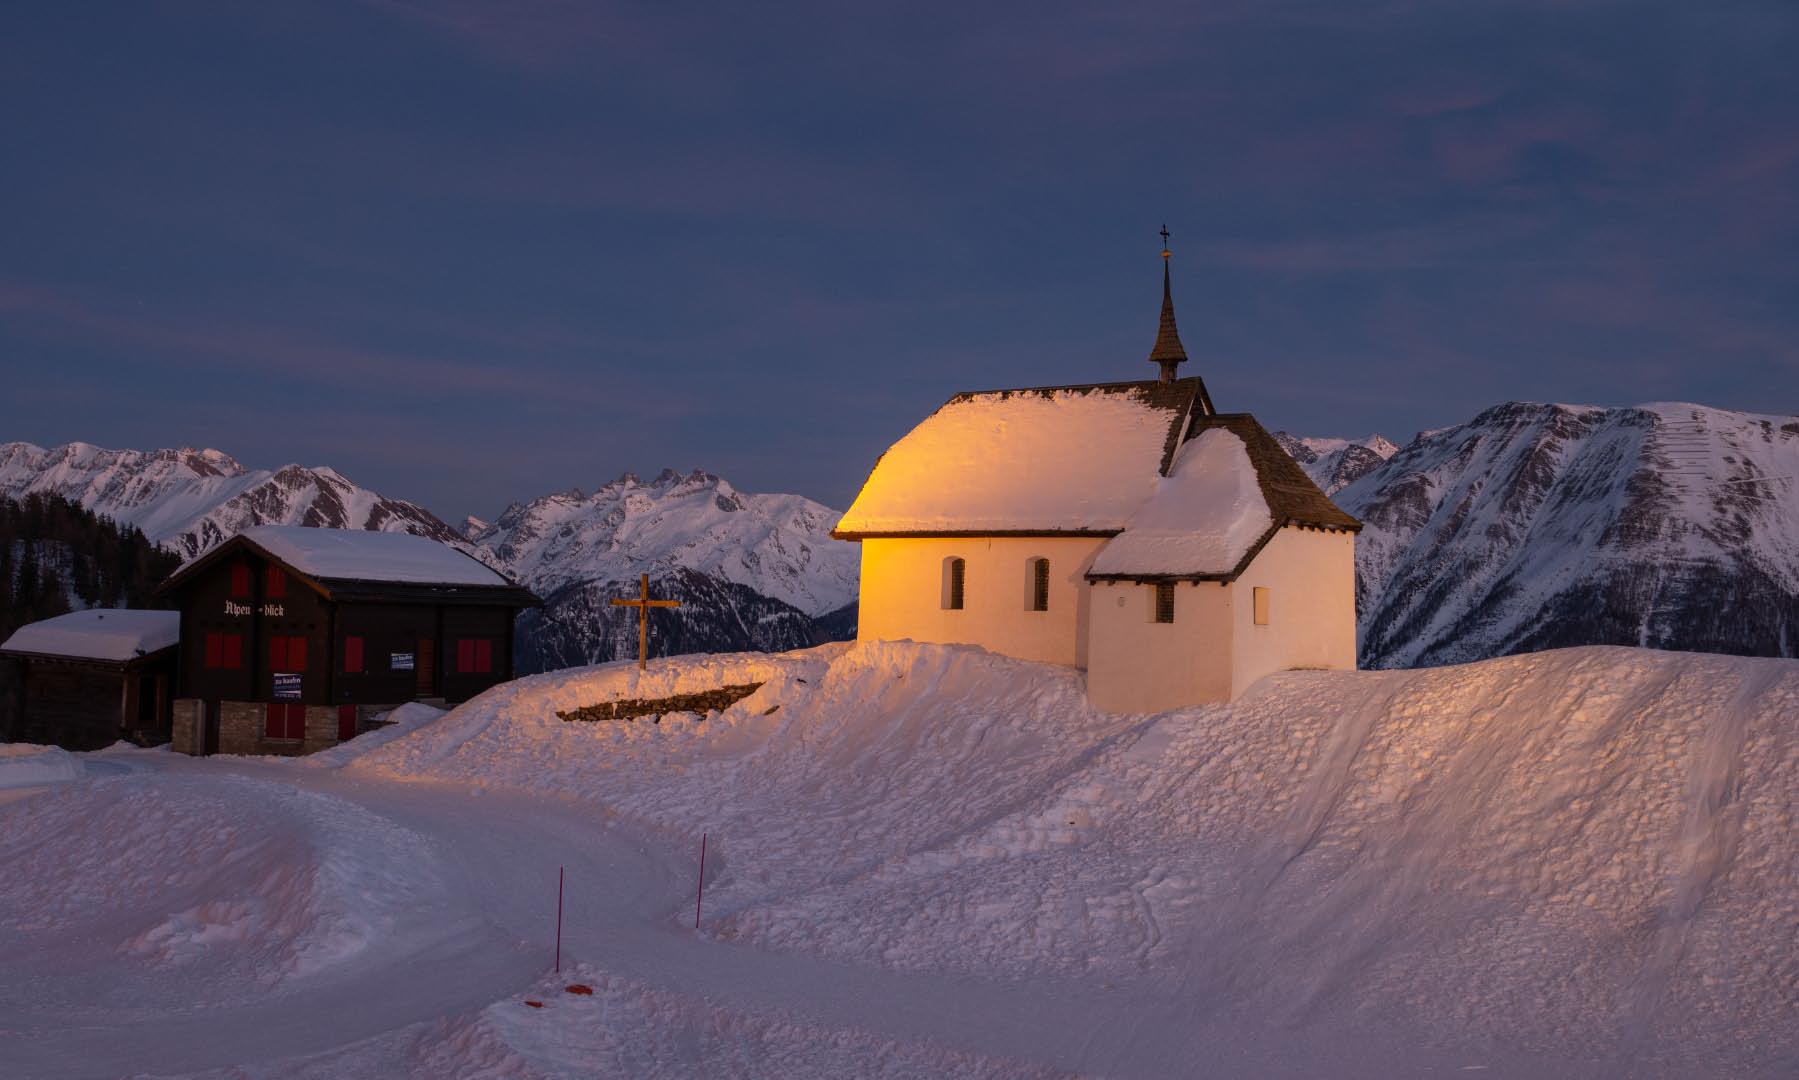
pixel 928 861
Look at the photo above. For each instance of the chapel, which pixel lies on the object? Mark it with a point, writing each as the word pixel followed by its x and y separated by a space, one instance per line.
pixel 1174 553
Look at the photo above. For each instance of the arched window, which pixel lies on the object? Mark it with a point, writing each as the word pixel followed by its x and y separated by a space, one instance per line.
pixel 955 571
pixel 1037 584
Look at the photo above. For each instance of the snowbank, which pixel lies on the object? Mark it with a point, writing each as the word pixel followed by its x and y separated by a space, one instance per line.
pixel 30 765
pixel 1590 851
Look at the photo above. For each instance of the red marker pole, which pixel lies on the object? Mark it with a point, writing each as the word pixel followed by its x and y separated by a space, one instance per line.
pixel 559 920
pixel 701 895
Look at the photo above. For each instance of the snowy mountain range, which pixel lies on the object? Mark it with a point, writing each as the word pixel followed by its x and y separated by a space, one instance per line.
pixel 1528 527
pixel 1334 464
pixel 752 571
pixel 1536 526
pixel 188 500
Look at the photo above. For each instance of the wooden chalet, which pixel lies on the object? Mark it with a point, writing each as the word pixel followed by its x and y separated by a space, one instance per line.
pixel 88 679
pixel 292 637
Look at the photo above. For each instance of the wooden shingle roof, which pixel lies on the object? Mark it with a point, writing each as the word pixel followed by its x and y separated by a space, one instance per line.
pixel 1293 499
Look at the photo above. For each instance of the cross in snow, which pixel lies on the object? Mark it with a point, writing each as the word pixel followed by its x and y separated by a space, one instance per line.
pixel 643 604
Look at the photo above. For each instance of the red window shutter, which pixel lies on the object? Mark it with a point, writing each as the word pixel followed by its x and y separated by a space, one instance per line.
pixel 234 650
pixel 275 582
pixel 346 723
pixel 240 582
pixel 352 654
pixel 296 721
pixel 278 653
pixel 465 655
pixel 484 656
pixel 274 723
pixel 296 654
pixel 215 650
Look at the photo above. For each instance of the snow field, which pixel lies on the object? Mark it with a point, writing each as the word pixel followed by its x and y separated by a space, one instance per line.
pixel 125 891
pixel 1587 853
pixel 933 861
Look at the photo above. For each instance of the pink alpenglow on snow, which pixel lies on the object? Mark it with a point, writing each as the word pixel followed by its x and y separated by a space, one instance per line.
pixel 1010 460
pixel 111 634
pixel 1203 517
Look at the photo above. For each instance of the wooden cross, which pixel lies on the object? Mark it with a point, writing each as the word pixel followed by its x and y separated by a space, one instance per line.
pixel 643 604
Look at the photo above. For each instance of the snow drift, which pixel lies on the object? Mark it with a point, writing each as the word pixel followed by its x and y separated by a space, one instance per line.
pixel 1587 854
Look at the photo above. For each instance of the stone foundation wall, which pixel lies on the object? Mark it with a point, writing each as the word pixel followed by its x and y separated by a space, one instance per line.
pixel 189 734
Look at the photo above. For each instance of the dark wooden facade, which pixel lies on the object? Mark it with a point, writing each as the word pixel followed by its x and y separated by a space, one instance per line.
pixel 257 630
pixel 84 704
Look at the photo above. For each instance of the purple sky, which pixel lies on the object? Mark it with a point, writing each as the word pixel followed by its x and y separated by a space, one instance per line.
pixel 472 253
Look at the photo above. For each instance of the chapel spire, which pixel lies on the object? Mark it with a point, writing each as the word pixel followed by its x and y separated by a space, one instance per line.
pixel 1167 351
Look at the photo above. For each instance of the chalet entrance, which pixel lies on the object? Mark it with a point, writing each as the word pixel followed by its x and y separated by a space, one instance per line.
pixel 426 661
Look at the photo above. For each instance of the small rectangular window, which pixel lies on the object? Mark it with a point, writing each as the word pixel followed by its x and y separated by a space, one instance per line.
pixel 224 650
pixel 287 653
pixel 284 721
pixel 954 577
pixel 474 656
pixel 1165 601
pixel 274 582
pixel 352 655
pixel 1261 606
pixel 240 582
pixel 1039 584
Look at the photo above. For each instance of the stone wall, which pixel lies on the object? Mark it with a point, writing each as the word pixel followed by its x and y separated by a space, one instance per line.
pixel 189 734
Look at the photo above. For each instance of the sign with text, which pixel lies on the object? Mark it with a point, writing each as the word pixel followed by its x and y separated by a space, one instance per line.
pixel 400 661
pixel 287 686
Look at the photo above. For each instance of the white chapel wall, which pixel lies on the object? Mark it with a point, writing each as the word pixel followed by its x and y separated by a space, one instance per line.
pixel 1137 665
pixel 901 594
pixel 1310 578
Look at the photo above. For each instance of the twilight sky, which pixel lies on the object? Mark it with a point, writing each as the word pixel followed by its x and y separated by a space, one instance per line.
pixel 469 253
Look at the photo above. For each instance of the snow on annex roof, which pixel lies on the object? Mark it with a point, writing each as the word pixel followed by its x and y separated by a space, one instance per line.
pixel 1203 517
pixel 114 635
pixel 1070 459
pixel 362 555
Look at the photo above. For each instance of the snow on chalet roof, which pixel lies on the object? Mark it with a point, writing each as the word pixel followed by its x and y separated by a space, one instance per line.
pixel 117 635
pixel 1055 459
pixel 362 555
pixel 1203 518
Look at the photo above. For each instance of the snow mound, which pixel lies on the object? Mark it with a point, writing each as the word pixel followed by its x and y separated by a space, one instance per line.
pixel 208 890
pixel 1589 852
pixel 1203 517
pixel 30 765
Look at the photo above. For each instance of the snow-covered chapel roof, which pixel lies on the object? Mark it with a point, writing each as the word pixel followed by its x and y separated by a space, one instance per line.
pixel 1182 493
pixel 1057 459
pixel 112 635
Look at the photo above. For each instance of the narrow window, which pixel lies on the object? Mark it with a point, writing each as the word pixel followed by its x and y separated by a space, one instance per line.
pixel 353 655
pixel 954 573
pixel 1261 605
pixel 1039 584
pixel 484 656
pixel 240 582
pixel 465 655
pixel 1164 601
pixel 274 582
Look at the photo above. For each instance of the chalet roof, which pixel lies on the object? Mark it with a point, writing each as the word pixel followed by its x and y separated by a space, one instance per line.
pixel 109 635
pixel 1071 460
pixel 367 565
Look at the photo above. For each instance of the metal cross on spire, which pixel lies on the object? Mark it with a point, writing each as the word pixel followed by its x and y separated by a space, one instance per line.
pixel 1164 240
